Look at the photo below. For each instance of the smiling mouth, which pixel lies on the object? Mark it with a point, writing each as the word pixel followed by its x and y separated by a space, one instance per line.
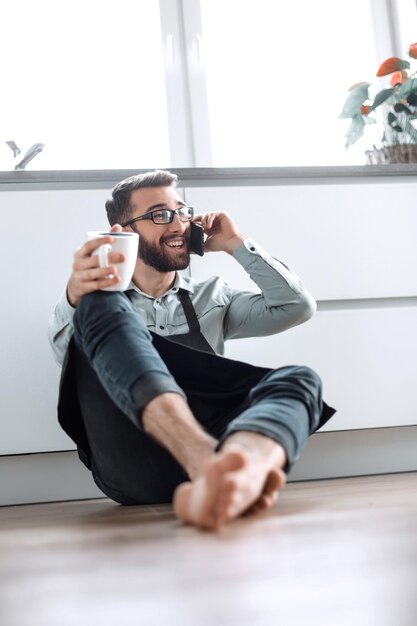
pixel 176 244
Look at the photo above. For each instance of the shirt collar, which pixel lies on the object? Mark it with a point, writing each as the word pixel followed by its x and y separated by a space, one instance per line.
pixel 181 282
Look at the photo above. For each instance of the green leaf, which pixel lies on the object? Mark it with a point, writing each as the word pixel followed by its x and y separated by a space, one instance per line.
pixel 401 108
pixel 381 97
pixel 354 101
pixel 407 88
pixel 355 130
pixel 412 99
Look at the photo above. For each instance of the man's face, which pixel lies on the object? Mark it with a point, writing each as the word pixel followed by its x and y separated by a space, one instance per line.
pixel 165 247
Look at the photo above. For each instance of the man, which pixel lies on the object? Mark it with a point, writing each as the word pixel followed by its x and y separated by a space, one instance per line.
pixel 156 413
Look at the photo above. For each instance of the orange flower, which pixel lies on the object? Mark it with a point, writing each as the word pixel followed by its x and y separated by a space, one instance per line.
pixel 398 77
pixel 392 65
pixel 365 109
pixel 412 51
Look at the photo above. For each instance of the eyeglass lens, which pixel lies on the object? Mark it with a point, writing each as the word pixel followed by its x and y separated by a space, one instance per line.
pixel 165 217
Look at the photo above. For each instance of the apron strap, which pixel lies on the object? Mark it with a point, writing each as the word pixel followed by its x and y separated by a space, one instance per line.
pixel 198 340
pixel 194 338
pixel 190 314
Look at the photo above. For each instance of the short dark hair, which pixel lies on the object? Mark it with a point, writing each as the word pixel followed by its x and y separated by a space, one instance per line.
pixel 118 206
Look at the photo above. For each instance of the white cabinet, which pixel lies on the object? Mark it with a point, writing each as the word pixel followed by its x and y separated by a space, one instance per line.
pixel 41 230
pixel 354 247
pixel 346 241
pixel 364 357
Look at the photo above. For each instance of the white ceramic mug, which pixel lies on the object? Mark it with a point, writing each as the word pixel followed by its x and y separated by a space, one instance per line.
pixel 127 244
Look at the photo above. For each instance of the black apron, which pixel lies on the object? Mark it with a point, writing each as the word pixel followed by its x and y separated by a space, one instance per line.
pixel 213 384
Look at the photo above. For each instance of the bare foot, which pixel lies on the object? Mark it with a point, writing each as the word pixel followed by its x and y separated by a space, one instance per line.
pixel 233 482
pixel 198 502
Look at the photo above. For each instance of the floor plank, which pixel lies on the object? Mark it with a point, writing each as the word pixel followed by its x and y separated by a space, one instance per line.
pixel 331 552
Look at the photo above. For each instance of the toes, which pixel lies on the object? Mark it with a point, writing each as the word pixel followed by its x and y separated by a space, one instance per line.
pixel 275 481
pixel 264 502
pixel 181 502
pixel 207 502
pixel 257 507
pixel 226 503
pixel 231 460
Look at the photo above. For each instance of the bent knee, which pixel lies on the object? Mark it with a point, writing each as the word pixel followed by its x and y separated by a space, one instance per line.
pixel 304 371
pixel 114 300
pixel 99 306
pixel 102 303
pixel 300 372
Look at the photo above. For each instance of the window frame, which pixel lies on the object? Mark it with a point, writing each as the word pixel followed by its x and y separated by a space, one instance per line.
pixel 185 76
pixel 188 119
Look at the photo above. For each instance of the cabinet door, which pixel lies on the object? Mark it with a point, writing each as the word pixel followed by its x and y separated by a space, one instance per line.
pixel 42 229
pixel 354 247
pixel 365 357
pixel 345 241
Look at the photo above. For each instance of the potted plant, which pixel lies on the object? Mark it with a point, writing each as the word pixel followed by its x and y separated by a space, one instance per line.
pixel 393 105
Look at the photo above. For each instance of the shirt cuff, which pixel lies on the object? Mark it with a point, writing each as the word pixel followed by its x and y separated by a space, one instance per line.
pixel 250 252
pixel 65 311
pixel 245 253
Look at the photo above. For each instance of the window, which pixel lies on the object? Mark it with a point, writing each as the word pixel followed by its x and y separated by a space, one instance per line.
pixel 86 79
pixel 164 83
pixel 277 77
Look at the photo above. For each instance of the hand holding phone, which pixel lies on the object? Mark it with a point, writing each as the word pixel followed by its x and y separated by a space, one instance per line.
pixel 196 239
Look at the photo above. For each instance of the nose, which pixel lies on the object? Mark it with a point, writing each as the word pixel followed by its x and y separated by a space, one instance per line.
pixel 177 225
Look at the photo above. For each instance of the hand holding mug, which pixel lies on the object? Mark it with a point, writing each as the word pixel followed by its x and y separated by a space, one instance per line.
pixel 105 262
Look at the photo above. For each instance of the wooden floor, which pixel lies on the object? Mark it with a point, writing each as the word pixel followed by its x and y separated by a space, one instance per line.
pixel 332 552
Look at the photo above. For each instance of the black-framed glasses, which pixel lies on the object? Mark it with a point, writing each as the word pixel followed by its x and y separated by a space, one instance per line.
pixel 165 216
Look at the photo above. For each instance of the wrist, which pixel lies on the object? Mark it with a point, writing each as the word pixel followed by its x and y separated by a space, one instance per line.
pixel 233 243
pixel 71 298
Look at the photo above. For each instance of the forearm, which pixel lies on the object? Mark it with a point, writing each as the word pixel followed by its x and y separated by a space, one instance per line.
pixel 276 281
pixel 283 302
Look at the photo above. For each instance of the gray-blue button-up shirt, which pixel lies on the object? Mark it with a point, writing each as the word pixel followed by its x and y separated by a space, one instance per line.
pixel 223 312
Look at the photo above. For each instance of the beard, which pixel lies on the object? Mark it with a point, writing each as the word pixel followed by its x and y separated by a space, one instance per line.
pixel 155 256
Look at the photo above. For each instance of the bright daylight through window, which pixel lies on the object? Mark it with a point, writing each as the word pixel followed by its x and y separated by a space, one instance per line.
pixel 277 74
pixel 186 83
pixel 86 79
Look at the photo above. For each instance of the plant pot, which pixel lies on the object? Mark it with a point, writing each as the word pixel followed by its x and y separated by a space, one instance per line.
pixel 400 153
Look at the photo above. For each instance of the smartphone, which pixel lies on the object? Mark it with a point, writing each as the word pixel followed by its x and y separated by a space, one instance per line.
pixel 196 239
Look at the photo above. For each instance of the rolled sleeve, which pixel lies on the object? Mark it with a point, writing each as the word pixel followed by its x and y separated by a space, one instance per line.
pixel 283 302
pixel 61 327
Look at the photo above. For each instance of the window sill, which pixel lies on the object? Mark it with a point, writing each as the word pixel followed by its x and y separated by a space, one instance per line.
pixel 210 176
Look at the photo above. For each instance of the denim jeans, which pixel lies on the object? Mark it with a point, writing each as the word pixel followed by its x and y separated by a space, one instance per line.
pixel 120 366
